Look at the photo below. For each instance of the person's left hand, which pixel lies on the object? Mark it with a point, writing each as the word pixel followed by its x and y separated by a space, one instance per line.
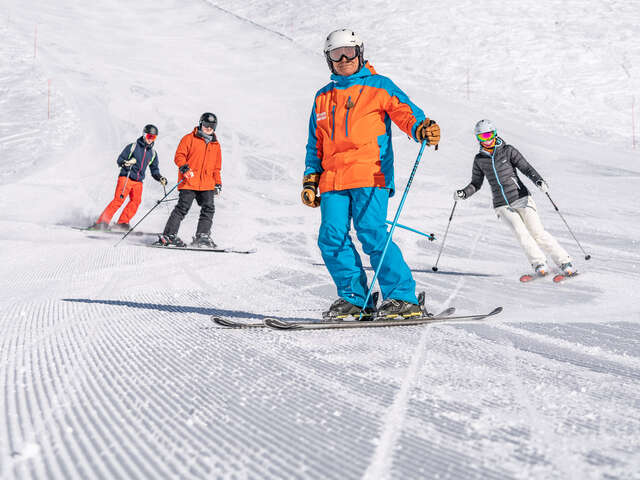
pixel 218 189
pixel 543 186
pixel 163 181
pixel 428 130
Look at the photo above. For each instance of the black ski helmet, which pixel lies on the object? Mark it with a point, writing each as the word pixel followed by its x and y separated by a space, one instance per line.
pixel 152 129
pixel 208 119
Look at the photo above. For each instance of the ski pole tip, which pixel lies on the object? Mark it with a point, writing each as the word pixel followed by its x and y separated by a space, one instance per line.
pixel 435 269
pixel 587 257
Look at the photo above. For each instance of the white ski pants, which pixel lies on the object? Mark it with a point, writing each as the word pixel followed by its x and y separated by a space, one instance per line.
pixel 525 223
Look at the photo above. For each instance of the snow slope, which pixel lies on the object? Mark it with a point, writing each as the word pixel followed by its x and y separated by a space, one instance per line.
pixel 109 364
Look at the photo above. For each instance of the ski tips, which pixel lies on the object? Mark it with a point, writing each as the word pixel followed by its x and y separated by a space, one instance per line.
pixel 223 322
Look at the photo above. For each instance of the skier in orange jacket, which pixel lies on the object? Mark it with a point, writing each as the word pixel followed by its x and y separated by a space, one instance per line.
pixel 199 160
pixel 350 162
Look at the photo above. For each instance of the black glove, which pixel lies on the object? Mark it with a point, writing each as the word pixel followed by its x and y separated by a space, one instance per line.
pixel 459 195
pixel 184 168
pixel 218 189
pixel 543 186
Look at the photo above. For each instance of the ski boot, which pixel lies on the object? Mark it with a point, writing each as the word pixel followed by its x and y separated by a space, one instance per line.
pixel 121 227
pixel 169 241
pixel 398 309
pixel 541 269
pixel 341 309
pixel 568 269
pixel 203 240
pixel 99 227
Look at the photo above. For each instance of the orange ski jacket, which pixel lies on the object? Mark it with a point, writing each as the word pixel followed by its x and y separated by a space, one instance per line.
pixel 349 140
pixel 204 160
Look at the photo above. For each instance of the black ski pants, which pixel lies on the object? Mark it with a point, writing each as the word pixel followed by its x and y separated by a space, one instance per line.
pixel 185 199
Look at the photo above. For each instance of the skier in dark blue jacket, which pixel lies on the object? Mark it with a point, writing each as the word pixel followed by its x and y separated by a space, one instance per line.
pixel 133 163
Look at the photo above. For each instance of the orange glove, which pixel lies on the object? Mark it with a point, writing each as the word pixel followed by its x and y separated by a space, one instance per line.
pixel 309 194
pixel 428 130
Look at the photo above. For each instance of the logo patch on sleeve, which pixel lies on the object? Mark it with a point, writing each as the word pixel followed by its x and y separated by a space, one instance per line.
pixel 321 116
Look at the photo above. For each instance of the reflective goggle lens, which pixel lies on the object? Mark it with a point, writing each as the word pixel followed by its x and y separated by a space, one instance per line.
pixel 486 136
pixel 151 136
pixel 348 52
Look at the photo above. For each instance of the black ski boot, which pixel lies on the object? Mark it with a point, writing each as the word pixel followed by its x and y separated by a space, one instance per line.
pixel 391 308
pixel 342 309
pixel 121 227
pixel 99 226
pixel 203 240
pixel 169 241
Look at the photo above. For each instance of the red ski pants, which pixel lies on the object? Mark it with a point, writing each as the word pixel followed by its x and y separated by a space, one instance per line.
pixel 125 188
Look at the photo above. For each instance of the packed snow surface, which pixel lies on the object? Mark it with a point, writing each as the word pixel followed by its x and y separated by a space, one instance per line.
pixel 110 366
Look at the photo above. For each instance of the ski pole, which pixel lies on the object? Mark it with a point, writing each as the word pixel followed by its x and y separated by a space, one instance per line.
pixel 125 184
pixel 393 225
pixel 435 267
pixel 165 196
pixel 586 255
pixel 158 202
pixel 430 236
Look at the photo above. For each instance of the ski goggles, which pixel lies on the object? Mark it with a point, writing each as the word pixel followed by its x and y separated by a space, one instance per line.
pixel 486 136
pixel 349 53
pixel 151 137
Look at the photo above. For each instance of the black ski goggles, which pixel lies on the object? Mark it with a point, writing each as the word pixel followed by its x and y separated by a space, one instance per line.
pixel 349 53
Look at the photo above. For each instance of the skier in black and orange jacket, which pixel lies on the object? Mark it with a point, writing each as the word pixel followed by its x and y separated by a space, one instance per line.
pixel 133 163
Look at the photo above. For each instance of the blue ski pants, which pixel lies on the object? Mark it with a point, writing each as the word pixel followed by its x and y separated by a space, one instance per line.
pixel 367 207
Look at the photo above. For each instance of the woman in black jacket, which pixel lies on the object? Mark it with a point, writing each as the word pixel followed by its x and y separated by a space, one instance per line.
pixel 499 162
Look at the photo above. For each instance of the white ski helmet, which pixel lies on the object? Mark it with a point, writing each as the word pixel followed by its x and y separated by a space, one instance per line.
pixel 484 126
pixel 343 38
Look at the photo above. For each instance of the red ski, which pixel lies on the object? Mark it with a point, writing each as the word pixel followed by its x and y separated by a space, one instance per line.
pixel 563 276
pixel 530 277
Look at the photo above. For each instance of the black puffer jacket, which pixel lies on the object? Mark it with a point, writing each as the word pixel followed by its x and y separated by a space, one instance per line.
pixel 500 170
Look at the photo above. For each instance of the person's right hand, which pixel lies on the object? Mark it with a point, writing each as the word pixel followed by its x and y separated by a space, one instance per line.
pixel 186 171
pixel 310 190
pixel 130 162
pixel 459 195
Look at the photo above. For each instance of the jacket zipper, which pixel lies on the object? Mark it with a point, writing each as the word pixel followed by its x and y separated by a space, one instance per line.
pixel 143 155
pixel 346 118
pixel 495 172
pixel 333 121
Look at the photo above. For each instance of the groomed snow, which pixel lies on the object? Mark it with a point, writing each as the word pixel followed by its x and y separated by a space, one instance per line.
pixel 110 366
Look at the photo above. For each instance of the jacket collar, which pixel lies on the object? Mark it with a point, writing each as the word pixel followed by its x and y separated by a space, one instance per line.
pixel 144 144
pixel 499 144
pixel 366 71
pixel 198 134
